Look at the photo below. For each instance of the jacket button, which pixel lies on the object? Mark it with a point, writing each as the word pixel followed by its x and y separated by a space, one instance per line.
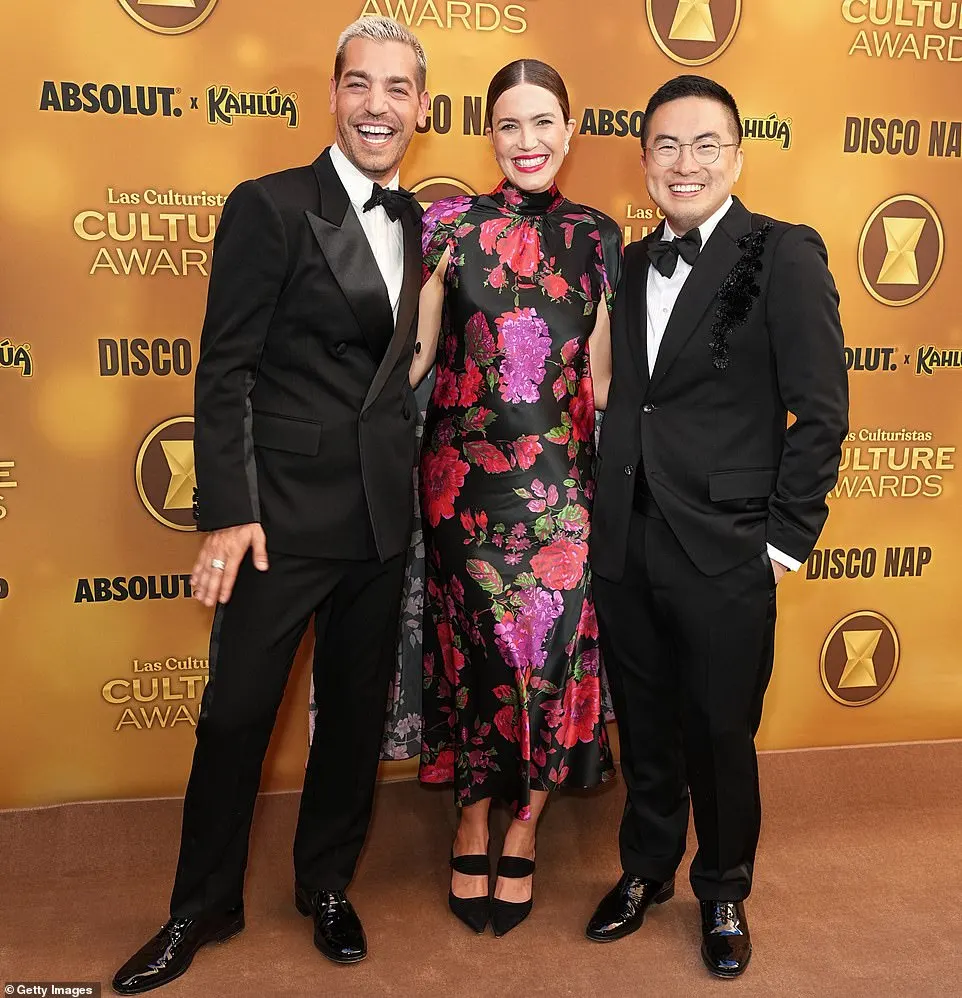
pixel 629 470
pixel 406 411
pixel 647 407
pixel 340 349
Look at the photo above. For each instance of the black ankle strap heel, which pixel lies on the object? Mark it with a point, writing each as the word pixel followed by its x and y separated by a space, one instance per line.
pixel 507 915
pixel 474 912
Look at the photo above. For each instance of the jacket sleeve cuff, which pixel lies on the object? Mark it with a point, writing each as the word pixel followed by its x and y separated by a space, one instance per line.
pixel 792 564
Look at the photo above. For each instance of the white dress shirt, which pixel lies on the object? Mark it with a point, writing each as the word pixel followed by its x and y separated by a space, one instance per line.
pixel 385 237
pixel 662 293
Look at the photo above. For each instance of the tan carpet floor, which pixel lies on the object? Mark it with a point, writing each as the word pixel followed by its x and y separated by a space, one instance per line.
pixel 858 888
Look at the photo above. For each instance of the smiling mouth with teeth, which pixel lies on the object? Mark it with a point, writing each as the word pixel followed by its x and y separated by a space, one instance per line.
pixel 530 163
pixel 686 188
pixel 376 134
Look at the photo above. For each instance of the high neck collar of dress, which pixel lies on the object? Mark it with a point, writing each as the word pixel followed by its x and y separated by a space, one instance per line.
pixel 520 202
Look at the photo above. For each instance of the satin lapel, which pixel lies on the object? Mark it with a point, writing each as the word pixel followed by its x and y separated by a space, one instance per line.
pixel 636 284
pixel 408 304
pixel 348 254
pixel 713 265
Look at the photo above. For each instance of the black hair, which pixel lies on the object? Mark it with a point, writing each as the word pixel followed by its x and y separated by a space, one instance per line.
pixel 691 86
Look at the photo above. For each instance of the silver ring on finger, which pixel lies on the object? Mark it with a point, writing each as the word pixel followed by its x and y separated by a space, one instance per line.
pixel 217 564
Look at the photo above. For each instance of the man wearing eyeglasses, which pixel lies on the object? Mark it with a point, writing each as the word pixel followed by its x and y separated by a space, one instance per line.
pixel 725 322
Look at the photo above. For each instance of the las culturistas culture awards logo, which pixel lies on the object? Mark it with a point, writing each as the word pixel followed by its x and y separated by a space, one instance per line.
pixel 900 250
pixel 693 32
pixel 859 658
pixel 435 188
pixel 169 17
pixel 165 473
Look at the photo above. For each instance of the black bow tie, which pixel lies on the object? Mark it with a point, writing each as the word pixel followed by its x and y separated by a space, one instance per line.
pixel 664 253
pixel 393 202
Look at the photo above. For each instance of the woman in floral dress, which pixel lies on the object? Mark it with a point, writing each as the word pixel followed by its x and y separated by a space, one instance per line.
pixel 514 310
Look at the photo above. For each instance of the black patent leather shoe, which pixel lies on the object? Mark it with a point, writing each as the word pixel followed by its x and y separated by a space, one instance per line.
pixel 338 932
pixel 622 909
pixel 169 953
pixel 726 945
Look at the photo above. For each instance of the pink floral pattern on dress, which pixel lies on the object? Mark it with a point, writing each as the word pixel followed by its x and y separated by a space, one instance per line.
pixel 512 695
pixel 524 340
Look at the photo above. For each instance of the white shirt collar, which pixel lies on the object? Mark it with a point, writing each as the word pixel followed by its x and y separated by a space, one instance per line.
pixel 707 227
pixel 359 188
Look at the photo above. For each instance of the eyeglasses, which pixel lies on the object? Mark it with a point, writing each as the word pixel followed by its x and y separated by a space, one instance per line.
pixel 704 151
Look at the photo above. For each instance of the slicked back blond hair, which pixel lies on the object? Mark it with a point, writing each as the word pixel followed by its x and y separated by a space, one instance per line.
pixel 381 29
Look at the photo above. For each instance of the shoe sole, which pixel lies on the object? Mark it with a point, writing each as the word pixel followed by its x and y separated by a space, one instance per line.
pixel 222 937
pixel 721 974
pixel 305 910
pixel 661 898
pixel 338 960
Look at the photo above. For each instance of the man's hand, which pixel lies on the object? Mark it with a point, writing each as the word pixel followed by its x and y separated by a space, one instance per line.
pixel 779 570
pixel 215 570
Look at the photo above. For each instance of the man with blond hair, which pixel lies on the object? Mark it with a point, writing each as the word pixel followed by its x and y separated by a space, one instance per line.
pixel 304 444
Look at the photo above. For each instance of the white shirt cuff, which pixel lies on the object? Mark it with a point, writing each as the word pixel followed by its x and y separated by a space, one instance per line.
pixel 792 564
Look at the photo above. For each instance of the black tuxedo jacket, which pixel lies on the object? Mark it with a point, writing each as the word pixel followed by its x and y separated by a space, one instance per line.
pixel 304 418
pixel 726 471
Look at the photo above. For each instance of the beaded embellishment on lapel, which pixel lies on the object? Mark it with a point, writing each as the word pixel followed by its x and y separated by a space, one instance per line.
pixel 738 293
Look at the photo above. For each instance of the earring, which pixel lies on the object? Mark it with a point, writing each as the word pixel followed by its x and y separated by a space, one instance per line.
pixel 566 148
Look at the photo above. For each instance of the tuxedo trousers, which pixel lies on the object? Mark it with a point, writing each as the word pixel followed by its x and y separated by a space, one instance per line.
pixel 688 658
pixel 355 606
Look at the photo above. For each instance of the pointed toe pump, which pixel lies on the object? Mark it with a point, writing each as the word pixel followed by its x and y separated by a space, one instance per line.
pixel 507 915
pixel 474 912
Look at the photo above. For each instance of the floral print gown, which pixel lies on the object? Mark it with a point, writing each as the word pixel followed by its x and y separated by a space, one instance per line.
pixel 512 698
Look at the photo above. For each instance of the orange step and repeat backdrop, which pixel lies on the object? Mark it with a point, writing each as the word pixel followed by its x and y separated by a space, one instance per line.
pixel 126 124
